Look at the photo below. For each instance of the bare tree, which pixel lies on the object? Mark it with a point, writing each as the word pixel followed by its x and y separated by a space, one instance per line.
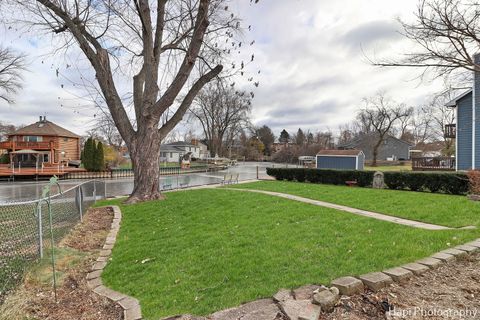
pixel 421 124
pixel 378 117
pixel 105 129
pixel 11 67
pixel 346 133
pixel 169 50
pixel 222 112
pixel 5 130
pixel 447 34
pixel 440 116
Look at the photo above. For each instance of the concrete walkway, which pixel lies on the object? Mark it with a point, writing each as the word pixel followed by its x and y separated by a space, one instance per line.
pixel 369 214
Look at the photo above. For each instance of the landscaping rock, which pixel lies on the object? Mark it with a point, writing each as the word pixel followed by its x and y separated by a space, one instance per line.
pixel 135 314
pixel 92 284
pixel 474 244
pixel 443 256
pixel 109 293
pixel 311 312
pixel 455 252
pixel 293 308
pixel 108 246
pixel 306 292
pixel 348 285
pixel 99 265
pixel 467 248
pixel 432 263
pixel 416 268
pixel 282 295
pixel 264 309
pixel 94 274
pixel 376 280
pixel 129 303
pixel 327 299
pixel 399 274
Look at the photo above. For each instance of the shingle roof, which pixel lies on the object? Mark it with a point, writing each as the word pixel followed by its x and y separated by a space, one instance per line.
pixel 44 128
pixel 170 148
pixel 181 143
pixel 339 152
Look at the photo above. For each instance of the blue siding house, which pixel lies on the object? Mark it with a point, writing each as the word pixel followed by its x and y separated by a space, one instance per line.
pixel 467 128
pixel 341 159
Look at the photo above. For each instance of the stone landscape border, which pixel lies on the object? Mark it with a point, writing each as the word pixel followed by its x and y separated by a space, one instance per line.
pixel 131 306
pixel 304 303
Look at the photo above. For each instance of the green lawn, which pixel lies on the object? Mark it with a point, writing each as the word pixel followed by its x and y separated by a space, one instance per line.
pixel 441 209
pixel 200 251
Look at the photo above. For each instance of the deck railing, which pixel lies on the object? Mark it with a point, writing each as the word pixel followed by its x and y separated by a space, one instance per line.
pixel 450 131
pixel 18 145
pixel 433 164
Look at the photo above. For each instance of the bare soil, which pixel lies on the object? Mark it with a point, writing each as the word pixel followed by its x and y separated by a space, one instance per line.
pixel 449 292
pixel 75 300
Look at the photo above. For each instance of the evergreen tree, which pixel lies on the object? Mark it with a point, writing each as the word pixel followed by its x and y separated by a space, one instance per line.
pixel 284 136
pixel 267 137
pixel 300 137
pixel 88 154
pixel 99 157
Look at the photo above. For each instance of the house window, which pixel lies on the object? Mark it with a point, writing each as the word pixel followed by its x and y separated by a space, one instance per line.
pixel 45 158
pixel 171 155
pixel 65 139
pixel 32 139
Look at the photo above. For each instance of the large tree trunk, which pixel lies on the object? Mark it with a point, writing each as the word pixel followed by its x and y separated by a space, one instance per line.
pixel 146 169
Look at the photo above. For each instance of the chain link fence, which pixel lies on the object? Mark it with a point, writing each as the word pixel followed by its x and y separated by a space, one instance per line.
pixel 27 228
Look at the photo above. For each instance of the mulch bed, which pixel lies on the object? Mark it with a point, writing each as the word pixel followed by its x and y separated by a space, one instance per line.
pixel 453 287
pixel 75 299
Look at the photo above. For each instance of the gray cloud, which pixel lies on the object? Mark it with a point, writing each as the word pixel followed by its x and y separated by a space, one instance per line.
pixel 371 33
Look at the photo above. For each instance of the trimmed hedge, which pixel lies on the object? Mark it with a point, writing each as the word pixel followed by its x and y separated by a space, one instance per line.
pixel 451 182
pixel 324 176
pixel 441 182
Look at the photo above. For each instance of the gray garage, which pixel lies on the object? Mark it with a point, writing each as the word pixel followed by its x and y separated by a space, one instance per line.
pixel 341 159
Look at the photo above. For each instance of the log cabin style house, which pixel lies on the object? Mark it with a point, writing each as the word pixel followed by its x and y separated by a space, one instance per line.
pixel 42 143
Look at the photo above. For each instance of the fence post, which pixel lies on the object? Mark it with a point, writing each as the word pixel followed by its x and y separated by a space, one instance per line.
pixel 40 230
pixel 94 191
pixel 80 202
pixel 105 189
pixel 257 172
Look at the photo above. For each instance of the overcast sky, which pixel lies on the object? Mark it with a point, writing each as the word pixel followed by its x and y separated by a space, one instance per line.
pixel 312 55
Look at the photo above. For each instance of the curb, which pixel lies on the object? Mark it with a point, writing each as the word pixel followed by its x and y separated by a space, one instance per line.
pixel 131 306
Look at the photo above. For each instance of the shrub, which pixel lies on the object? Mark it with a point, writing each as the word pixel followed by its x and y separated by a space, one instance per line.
pixel 99 158
pixel 474 181
pixel 452 183
pixel 4 159
pixel 325 176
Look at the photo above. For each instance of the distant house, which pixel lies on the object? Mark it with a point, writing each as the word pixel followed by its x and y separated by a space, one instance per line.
pixel 467 129
pixel 42 142
pixel 340 159
pixel 170 153
pixel 390 149
pixel 173 152
pixel 203 149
